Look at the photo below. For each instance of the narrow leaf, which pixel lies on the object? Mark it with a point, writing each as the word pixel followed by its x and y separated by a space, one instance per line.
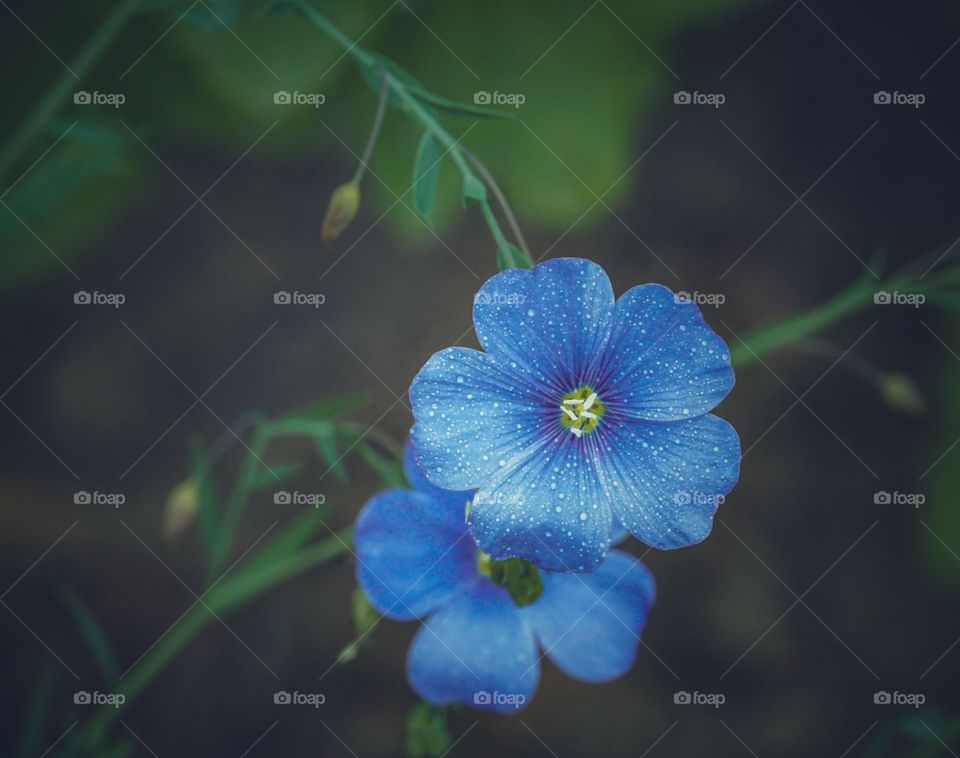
pixel 93 635
pixel 426 172
pixel 474 189
pixel 329 406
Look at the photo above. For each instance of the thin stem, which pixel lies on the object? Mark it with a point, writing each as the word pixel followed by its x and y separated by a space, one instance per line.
pixel 234 509
pixel 375 129
pixel 240 588
pixel 59 94
pixel 411 105
pixel 501 198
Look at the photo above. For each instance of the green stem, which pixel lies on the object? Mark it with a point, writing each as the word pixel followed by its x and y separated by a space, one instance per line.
pixel 59 94
pixel 233 511
pixel 375 129
pixel 240 588
pixel 412 106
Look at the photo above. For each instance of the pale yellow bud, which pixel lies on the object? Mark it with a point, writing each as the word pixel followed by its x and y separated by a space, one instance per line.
pixel 344 203
pixel 180 512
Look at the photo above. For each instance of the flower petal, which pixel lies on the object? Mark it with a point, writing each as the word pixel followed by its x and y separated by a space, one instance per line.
pixel 413 552
pixel 553 319
pixel 589 625
pixel 663 362
pixel 665 480
pixel 477 650
pixel 474 415
pixel 549 509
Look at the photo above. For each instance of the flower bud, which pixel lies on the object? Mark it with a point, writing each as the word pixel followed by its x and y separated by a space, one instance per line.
pixel 180 512
pixel 901 394
pixel 344 203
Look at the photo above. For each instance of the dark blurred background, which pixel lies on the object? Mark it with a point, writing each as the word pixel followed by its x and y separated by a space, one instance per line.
pixel 807 599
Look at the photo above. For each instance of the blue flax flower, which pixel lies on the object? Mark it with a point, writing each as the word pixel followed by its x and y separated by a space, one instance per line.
pixel 477 646
pixel 582 414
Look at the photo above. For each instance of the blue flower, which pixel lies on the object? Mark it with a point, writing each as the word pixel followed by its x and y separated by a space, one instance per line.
pixel 416 559
pixel 582 414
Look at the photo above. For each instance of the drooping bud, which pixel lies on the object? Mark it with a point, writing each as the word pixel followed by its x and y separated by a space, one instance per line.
pixel 902 394
pixel 181 508
pixel 344 203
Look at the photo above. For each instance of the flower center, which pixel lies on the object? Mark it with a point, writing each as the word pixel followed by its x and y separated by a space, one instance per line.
pixel 520 578
pixel 580 410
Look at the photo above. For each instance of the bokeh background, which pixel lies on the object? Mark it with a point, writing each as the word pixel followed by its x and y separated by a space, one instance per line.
pixel 807 599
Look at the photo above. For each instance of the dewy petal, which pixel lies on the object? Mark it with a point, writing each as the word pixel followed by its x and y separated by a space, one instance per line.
pixel 663 362
pixel 665 480
pixel 478 650
pixel 554 319
pixel 550 510
pixel 589 624
pixel 413 552
pixel 474 415
pixel 446 499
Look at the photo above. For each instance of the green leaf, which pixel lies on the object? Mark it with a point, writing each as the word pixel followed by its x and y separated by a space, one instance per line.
pixel 326 446
pixel 427 735
pixel 93 635
pixel 510 256
pixel 390 471
pixel 290 539
pixel 38 712
pixel 426 172
pixel 278 473
pixel 474 189
pixel 330 406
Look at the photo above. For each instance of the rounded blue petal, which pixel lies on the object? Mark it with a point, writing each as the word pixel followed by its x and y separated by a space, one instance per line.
pixel 474 416
pixel 447 500
pixel 549 508
pixel 413 552
pixel 663 362
pixel 666 480
pixel 590 624
pixel 479 650
pixel 554 319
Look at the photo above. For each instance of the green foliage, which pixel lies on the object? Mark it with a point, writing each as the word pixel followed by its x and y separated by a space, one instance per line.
pixel 426 172
pixel 427 734
pixel 93 635
pixel 582 100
